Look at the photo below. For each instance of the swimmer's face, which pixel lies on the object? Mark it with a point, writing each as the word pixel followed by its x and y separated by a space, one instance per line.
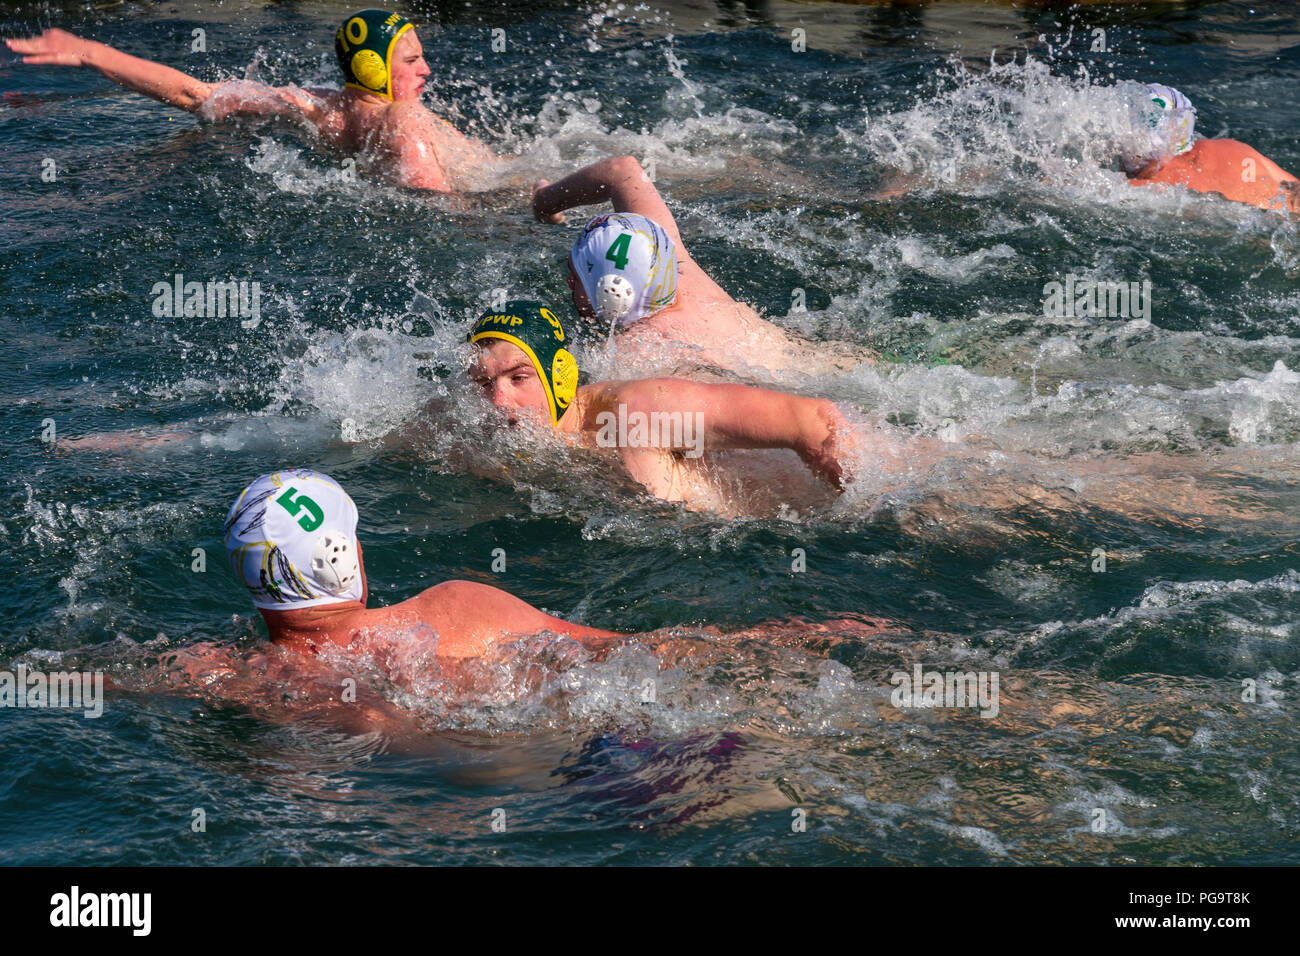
pixel 509 381
pixel 409 69
pixel 580 300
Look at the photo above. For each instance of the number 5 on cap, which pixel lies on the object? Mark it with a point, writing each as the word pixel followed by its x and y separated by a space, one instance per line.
pixel 314 516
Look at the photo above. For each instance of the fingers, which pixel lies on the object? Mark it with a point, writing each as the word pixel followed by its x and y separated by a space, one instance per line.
pixel 56 47
pixel 38 51
pixel 55 59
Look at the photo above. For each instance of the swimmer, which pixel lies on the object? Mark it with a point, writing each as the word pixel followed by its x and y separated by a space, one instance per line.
pixel 291 538
pixel 376 117
pixel 631 271
pixel 664 429
pixel 1224 166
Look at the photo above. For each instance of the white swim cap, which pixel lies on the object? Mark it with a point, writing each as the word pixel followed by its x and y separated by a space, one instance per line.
pixel 627 266
pixel 1167 119
pixel 291 538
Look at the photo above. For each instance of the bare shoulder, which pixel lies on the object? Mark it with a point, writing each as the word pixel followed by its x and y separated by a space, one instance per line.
pixel 406 117
pixel 1232 155
pixel 409 128
pixel 1219 148
pixel 597 398
pixel 450 594
pixel 465 601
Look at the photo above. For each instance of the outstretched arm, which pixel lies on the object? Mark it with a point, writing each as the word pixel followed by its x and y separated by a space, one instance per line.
pixel 58 47
pixel 741 416
pixel 218 100
pixel 621 180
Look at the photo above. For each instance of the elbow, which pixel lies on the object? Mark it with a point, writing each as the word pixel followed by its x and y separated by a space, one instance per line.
pixel 625 167
pixel 191 100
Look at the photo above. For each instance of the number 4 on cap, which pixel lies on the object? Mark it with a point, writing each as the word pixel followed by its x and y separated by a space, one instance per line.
pixel 314 516
pixel 617 251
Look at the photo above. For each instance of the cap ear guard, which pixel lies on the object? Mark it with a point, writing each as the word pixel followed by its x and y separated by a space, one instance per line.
pixel 369 69
pixel 334 562
pixel 564 381
pixel 615 297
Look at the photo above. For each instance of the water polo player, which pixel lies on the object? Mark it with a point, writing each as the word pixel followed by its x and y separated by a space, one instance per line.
pixel 291 537
pixel 664 429
pixel 377 117
pixel 1175 157
pixel 631 271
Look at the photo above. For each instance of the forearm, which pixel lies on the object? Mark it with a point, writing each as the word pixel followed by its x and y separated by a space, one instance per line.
pixel 591 184
pixel 155 80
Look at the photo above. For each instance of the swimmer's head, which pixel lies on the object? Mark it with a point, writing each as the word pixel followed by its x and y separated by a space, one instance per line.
pixel 291 537
pixel 379 53
pixel 622 268
pixel 1166 119
pixel 523 361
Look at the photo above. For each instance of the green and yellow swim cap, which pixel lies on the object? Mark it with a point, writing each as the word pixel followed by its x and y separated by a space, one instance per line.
pixel 364 46
pixel 539 334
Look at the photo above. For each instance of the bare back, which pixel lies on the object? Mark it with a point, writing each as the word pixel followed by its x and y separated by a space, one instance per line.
pixel 462 618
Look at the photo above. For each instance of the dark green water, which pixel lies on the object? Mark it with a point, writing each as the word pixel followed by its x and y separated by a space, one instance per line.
pixel 1169 442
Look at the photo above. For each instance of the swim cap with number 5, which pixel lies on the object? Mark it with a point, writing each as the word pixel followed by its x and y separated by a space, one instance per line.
pixel 291 538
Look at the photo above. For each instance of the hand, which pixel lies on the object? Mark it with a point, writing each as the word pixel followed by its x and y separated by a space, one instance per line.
pixel 830 458
pixel 53 47
pixel 539 210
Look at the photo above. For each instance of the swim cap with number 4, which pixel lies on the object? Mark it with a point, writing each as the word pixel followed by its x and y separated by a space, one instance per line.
pixel 627 265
